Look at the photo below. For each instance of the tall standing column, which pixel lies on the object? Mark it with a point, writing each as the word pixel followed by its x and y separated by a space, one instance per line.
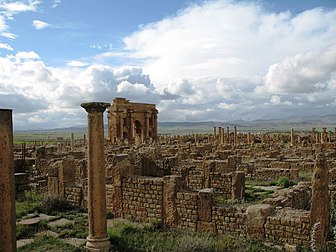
pixel 228 135
pixel 7 184
pixel 146 125
pixel 335 136
pixel 155 116
pixel 320 202
pixel 131 126
pixel 214 135
pixel 98 239
pixel 235 139
pixel 121 126
pixel 324 132
pixel 292 137
pixel 313 135
pixel 220 134
pixel 72 141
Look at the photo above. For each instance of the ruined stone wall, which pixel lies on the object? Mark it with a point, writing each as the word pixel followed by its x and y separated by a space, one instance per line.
pixel 229 220
pixel 142 198
pixel 289 226
pixel 222 184
pixel 74 195
pixel 187 210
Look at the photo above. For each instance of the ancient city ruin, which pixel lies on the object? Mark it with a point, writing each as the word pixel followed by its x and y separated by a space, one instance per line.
pixel 190 182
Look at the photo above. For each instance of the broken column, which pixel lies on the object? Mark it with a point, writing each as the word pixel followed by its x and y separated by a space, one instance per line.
pixel 7 185
pixel 228 135
pixel 171 185
pixel 220 135
pixel 238 185
pixel 313 135
pixel 98 239
pixel 320 203
pixel 72 141
pixel 323 136
pixel 214 136
pixel 292 138
pixel 235 139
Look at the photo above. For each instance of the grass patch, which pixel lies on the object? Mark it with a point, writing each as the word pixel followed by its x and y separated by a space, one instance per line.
pixel 28 231
pixel 78 229
pixel 30 205
pixel 261 182
pixel 50 244
pixel 53 205
pixel 285 182
pixel 127 236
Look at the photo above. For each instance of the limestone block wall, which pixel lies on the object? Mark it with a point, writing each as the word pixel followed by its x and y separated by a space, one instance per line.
pixel 271 173
pixel 229 219
pixel 222 184
pixel 142 198
pixel 289 226
pixel 74 195
pixel 187 210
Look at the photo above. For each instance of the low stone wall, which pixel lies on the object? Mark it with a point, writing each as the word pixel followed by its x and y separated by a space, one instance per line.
pixel 289 226
pixel 187 210
pixel 74 195
pixel 229 219
pixel 142 198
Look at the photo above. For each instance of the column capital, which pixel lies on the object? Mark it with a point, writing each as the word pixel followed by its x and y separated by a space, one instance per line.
pixel 95 106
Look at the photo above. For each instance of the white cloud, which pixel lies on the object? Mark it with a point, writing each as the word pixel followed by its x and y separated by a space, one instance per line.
pixel 55 3
pixel 76 63
pixel 26 55
pixel 6 47
pixel 304 73
pixel 126 88
pixel 23 6
pixel 39 25
pixel 275 100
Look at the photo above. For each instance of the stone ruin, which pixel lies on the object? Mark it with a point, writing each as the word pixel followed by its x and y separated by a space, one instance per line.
pixel 180 181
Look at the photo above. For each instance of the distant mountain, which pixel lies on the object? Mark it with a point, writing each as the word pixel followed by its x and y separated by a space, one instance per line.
pixel 298 123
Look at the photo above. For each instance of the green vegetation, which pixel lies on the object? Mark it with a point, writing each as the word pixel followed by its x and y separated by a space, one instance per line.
pixel 261 182
pixel 305 176
pixel 285 182
pixel 52 205
pixel 50 244
pixel 29 205
pixel 128 236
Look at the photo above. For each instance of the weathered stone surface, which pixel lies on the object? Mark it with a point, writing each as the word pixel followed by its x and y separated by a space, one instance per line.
pixel 205 204
pixel 320 206
pixel 256 218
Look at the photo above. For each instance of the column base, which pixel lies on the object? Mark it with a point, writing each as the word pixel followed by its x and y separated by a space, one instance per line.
pixel 98 245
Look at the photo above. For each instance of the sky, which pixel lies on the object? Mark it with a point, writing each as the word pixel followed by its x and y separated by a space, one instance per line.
pixel 198 60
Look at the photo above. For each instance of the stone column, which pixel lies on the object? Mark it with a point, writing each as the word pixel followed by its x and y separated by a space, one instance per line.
pixel 72 141
pixel 249 138
pixel 292 138
pixel 121 126
pixel 235 139
pixel 131 131
pixel 323 135
pixel 223 137
pixel 214 135
pixel 228 134
pixel 98 239
pixel 146 125
pixel 220 134
pixel 335 136
pixel 320 202
pixel 7 184
pixel 313 135
pixel 329 137
pixel 84 140
pixel 155 116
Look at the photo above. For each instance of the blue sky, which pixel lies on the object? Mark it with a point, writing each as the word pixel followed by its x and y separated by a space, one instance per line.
pixel 197 60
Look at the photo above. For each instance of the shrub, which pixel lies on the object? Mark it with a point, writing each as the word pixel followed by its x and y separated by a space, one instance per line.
pixel 51 205
pixel 284 182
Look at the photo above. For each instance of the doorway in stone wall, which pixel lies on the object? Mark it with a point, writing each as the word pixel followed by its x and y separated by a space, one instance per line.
pixel 137 127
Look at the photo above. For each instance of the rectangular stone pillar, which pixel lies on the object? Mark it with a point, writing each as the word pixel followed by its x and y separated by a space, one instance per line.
pixel 235 139
pixel 214 135
pixel 292 138
pixel 72 141
pixel 171 185
pixel 238 185
pixel 7 184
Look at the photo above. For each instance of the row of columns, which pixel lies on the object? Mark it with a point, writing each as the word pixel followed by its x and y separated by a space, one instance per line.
pixel 226 140
pixel 316 137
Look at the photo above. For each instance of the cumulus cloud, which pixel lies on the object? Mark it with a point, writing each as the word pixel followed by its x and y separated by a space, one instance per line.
pixel 6 47
pixel 76 63
pixel 39 25
pixel 304 73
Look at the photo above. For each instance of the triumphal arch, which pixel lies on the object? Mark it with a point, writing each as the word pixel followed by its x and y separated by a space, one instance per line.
pixel 130 121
